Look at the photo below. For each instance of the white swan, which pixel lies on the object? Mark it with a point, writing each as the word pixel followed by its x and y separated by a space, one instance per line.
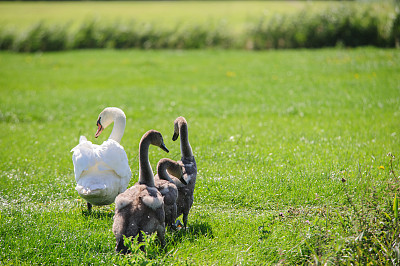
pixel 102 171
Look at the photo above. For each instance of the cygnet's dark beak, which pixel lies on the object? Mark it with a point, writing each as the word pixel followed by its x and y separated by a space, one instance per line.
pixel 164 148
pixel 183 180
pixel 175 136
pixel 99 129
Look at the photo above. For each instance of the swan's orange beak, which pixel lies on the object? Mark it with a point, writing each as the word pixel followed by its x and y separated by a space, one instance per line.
pixel 99 129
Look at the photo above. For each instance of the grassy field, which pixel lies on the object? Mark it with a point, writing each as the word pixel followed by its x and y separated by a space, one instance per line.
pixel 235 14
pixel 291 149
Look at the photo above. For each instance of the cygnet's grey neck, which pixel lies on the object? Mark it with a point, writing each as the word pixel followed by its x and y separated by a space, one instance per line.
pixel 146 176
pixel 186 150
pixel 162 167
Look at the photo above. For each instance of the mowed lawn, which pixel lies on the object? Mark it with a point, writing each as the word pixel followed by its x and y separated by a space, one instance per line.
pixel 289 146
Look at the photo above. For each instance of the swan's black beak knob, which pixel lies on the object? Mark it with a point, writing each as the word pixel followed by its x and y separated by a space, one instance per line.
pixel 99 129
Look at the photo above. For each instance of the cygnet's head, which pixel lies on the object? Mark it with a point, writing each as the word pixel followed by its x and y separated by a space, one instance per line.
pixel 178 170
pixel 155 139
pixel 177 125
pixel 172 167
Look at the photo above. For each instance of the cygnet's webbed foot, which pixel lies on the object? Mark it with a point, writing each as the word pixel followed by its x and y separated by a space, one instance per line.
pixel 178 225
pixel 185 220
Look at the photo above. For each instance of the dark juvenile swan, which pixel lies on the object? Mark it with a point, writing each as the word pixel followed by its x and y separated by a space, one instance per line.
pixel 102 171
pixel 141 207
pixel 166 185
pixel 188 163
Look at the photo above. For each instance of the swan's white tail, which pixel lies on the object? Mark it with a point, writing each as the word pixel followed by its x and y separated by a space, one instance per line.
pixel 82 139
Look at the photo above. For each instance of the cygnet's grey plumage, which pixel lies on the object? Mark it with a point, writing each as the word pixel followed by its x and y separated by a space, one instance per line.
pixel 189 167
pixel 165 184
pixel 141 207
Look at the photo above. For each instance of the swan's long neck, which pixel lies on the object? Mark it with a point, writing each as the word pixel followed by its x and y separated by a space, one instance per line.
pixel 119 127
pixel 186 150
pixel 162 170
pixel 146 176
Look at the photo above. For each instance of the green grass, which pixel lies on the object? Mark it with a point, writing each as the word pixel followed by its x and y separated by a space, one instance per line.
pixel 274 133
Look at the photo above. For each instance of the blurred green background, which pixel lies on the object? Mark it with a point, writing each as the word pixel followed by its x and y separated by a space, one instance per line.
pixel 43 26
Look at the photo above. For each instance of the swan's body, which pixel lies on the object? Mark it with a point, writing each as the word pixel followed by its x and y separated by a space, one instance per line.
pixel 188 163
pixel 141 207
pixel 165 184
pixel 102 171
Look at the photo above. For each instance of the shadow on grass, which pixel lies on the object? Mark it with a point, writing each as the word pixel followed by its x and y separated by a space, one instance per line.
pixel 192 232
pixel 98 214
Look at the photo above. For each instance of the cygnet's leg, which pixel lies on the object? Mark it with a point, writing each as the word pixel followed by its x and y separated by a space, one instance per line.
pixel 133 231
pixel 122 226
pixel 120 247
pixel 170 216
pixel 185 219
pixel 89 206
pixel 171 220
pixel 161 234
pixel 140 240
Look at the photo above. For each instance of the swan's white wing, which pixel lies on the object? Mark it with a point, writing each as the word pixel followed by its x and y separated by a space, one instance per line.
pixel 83 156
pixel 113 156
pixel 108 156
